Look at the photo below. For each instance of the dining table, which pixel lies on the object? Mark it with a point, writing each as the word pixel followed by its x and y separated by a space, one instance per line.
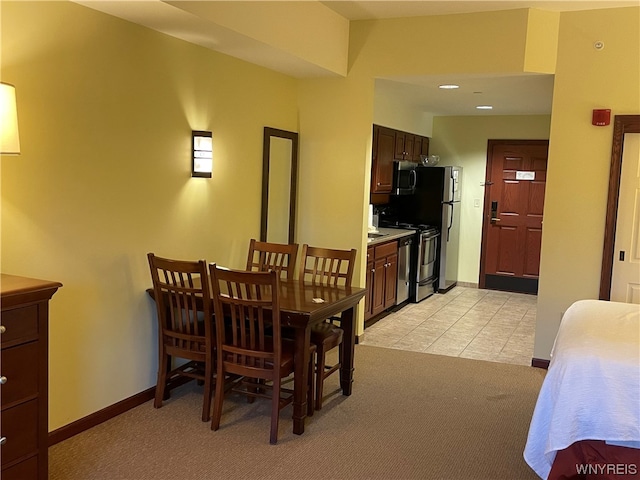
pixel 302 305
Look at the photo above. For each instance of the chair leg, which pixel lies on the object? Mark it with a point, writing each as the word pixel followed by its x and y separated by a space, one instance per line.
pixel 275 410
pixel 311 404
pixel 208 390
pixel 161 385
pixel 218 399
pixel 320 363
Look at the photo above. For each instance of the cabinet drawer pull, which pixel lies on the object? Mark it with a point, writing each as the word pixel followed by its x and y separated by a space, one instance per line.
pixel 3 329
pixel 3 440
pixel 3 380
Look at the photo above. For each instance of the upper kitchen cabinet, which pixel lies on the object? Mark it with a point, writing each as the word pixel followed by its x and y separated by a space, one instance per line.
pixel 382 162
pixel 422 148
pixel 404 146
pixel 391 145
pixel 409 147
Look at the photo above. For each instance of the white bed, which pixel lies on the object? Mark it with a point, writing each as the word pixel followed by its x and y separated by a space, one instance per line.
pixel 592 388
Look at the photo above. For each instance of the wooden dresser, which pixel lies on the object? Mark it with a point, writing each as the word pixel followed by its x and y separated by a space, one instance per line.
pixel 24 381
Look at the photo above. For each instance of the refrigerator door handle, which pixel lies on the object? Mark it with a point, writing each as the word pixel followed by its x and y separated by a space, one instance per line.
pixel 453 187
pixel 450 220
pixel 413 179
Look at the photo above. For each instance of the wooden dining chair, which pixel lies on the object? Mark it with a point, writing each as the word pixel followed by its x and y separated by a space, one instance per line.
pixel 252 347
pixel 324 266
pixel 266 256
pixel 185 325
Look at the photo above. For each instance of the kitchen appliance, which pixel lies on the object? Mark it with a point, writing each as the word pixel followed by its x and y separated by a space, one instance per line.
pixel 426 272
pixel 420 270
pixel 404 286
pixel 404 178
pixel 435 202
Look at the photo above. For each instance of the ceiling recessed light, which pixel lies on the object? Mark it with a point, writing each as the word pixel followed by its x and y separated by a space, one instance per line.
pixel 484 107
pixel 448 86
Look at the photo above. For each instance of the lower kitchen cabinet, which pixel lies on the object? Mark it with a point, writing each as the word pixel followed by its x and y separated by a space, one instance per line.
pixel 24 376
pixel 382 277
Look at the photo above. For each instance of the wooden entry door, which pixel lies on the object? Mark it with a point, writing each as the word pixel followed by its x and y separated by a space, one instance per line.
pixel 513 207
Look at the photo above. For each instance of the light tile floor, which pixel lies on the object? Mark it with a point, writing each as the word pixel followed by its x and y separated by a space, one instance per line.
pixel 464 322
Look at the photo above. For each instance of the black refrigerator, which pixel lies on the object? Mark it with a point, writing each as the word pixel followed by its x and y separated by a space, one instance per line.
pixel 436 202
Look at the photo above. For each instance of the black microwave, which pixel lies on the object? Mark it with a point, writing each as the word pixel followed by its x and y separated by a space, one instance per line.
pixel 404 178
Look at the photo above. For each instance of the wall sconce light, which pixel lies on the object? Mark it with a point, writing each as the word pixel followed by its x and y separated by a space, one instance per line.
pixel 9 138
pixel 202 146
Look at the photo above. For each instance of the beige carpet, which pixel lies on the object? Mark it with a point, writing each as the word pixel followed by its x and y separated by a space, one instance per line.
pixel 411 416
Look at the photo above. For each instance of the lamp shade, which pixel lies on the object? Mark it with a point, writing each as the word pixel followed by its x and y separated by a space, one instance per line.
pixel 9 138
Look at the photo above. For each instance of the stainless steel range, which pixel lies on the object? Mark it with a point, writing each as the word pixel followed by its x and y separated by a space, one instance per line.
pixel 421 269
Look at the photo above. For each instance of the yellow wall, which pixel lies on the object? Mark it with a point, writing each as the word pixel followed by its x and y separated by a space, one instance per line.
pixel 403 115
pixel 579 156
pixel 308 30
pixel 336 114
pixel 542 41
pixel 106 110
pixel 464 43
pixel 463 141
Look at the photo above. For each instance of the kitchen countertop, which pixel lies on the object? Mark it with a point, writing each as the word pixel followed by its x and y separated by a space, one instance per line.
pixel 389 234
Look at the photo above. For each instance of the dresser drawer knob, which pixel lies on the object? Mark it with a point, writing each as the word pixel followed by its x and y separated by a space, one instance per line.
pixel 3 440
pixel 3 329
pixel 3 380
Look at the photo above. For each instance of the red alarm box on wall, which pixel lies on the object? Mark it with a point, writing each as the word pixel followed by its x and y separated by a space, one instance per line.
pixel 601 117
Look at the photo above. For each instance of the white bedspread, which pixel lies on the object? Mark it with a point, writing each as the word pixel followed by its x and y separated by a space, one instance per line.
pixel 592 388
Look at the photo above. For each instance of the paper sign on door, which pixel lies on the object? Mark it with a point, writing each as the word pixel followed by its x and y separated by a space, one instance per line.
pixel 525 175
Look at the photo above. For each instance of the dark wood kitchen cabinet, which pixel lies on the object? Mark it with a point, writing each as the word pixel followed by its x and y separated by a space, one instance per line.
pixel 424 147
pixel 382 277
pixel 404 146
pixel 409 147
pixel 24 376
pixel 368 299
pixel 382 160
pixel 390 145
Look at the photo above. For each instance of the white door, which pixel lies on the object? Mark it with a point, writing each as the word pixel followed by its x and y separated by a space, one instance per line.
pixel 625 282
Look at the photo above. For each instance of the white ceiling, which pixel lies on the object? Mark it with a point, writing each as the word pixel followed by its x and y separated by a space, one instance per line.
pixel 510 95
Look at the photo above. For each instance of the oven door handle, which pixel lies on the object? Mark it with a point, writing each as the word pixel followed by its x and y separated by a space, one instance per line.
pixel 418 260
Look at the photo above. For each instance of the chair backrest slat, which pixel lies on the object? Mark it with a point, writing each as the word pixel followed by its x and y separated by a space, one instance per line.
pixel 266 256
pixel 325 266
pixel 183 300
pixel 251 303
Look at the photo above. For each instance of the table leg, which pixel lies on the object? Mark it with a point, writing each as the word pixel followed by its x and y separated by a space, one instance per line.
pixel 347 320
pixel 301 379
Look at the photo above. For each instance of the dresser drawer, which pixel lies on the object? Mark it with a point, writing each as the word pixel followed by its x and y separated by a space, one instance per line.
pixel 19 365
pixel 20 427
pixel 27 469
pixel 21 325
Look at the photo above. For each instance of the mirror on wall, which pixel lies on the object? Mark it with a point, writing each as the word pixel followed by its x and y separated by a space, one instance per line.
pixel 625 129
pixel 279 175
